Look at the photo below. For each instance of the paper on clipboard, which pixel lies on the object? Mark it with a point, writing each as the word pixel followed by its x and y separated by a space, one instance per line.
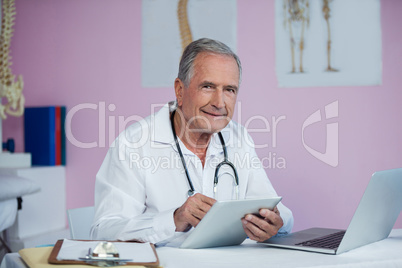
pixel 138 252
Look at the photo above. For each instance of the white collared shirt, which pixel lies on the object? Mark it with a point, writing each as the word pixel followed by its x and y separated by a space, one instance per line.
pixel 142 180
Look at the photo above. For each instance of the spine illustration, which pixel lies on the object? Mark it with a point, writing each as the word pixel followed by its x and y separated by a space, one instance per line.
pixel 9 88
pixel 185 30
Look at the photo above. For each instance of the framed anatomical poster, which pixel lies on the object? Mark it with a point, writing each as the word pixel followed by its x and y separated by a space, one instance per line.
pixel 328 43
pixel 169 25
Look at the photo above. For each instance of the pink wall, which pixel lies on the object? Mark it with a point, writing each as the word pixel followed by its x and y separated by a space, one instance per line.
pixel 75 52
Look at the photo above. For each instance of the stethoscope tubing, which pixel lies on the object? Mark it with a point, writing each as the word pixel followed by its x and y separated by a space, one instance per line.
pixel 224 162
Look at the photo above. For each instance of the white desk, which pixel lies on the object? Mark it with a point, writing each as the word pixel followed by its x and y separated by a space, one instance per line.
pixel 386 253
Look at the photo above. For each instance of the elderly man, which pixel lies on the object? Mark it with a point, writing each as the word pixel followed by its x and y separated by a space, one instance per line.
pixel 184 142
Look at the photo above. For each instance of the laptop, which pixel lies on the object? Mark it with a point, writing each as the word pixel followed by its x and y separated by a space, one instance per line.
pixel 222 226
pixel 373 220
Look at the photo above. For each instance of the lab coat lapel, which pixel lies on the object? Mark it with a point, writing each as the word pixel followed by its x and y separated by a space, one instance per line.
pixel 161 129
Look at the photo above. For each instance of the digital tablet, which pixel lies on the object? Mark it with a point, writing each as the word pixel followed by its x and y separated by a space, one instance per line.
pixel 222 226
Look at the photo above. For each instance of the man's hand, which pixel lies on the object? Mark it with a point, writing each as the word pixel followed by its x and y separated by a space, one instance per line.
pixel 192 211
pixel 261 228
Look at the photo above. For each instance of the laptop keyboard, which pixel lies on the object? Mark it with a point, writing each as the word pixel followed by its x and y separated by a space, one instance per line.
pixel 331 241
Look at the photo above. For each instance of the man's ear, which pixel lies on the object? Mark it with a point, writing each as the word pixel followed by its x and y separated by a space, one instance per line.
pixel 179 90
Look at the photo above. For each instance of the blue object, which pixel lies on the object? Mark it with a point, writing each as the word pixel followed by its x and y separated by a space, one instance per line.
pixel 9 145
pixel 45 246
pixel 39 133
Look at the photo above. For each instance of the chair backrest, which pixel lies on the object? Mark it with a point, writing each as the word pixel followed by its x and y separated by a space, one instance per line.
pixel 80 221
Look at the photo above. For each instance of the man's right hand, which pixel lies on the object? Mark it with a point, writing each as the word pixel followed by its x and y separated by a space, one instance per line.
pixel 192 211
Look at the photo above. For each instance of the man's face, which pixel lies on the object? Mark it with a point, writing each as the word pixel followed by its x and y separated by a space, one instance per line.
pixel 209 101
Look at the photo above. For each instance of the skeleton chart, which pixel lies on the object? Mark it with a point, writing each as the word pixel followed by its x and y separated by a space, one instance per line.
pixel 327 43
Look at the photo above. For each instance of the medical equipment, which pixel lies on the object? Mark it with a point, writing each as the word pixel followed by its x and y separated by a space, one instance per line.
pixel 224 162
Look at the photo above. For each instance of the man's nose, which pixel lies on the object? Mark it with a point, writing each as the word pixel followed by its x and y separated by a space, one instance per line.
pixel 218 99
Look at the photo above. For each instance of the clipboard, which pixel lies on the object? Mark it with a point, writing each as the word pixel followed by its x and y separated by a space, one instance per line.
pixel 53 257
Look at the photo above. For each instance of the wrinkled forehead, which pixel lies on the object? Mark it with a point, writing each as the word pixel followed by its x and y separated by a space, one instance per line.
pixel 206 59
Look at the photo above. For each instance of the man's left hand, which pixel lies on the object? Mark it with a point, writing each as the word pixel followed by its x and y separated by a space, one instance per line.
pixel 264 226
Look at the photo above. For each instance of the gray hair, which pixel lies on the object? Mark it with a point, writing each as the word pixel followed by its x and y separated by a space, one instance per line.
pixel 186 67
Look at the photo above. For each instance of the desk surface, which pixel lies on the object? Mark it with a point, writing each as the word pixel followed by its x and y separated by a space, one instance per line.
pixel 385 253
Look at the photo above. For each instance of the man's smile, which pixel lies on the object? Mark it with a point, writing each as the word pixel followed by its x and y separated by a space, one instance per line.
pixel 214 114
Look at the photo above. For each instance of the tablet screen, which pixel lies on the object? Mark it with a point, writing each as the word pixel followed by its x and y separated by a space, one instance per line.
pixel 222 226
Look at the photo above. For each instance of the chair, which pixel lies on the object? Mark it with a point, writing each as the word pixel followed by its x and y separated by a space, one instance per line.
pixel 80 221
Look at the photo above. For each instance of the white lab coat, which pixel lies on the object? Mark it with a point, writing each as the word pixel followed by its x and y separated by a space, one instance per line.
pixel 142 181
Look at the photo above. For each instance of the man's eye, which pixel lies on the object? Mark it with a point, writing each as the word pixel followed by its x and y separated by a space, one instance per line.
pixel 207 87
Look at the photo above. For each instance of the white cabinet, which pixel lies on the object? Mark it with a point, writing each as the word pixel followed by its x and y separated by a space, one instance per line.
pixel 43 214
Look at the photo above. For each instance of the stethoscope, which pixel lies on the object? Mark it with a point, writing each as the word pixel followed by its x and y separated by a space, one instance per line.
pixel 224 162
